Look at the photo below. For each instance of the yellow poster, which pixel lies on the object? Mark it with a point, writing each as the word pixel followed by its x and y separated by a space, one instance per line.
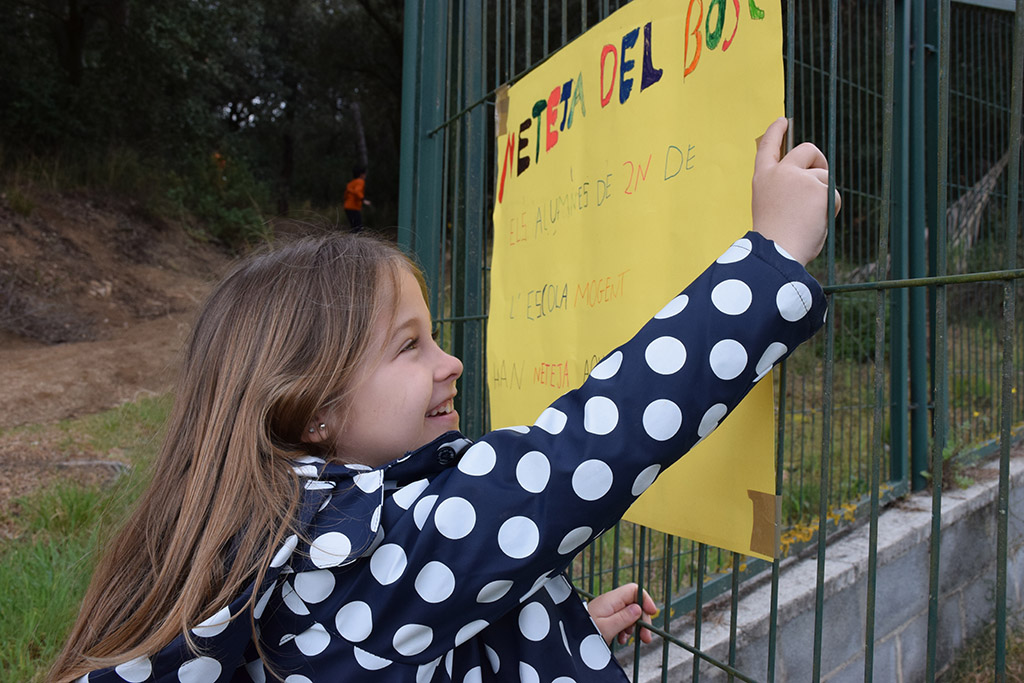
pixel 624 167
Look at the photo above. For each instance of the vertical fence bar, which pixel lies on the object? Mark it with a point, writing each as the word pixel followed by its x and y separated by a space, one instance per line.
pixel 827 394
pixel 940 386
pixel 899 436
pixel 917 249
pixel 879 381
pixel 1009 325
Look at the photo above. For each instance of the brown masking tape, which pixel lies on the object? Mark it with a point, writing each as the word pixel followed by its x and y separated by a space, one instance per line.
pixel 764 532
pixel 501 111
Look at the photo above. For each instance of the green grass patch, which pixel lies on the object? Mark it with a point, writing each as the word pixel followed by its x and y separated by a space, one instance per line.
pixel 44 571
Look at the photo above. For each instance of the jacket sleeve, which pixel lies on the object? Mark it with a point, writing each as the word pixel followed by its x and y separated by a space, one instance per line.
pixel 476 540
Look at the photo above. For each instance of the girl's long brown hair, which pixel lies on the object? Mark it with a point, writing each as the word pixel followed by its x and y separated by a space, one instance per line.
pixel 277 341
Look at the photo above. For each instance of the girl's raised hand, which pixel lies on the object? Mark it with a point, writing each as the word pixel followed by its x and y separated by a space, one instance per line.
pixel 616 612
pixel 790 194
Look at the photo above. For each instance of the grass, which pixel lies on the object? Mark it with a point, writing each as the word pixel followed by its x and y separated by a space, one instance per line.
pixel 45 570
pixel 976 663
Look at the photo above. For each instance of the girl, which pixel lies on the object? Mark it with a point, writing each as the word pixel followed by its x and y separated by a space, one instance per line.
pixel 316 515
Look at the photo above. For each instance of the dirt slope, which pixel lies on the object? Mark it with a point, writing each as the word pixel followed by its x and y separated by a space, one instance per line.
pixel 95 299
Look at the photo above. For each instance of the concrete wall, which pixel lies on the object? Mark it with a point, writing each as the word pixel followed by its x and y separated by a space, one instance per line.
pixel 966 598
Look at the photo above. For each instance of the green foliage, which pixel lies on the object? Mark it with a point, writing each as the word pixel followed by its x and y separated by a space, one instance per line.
pixel 856 326
pixel 271 85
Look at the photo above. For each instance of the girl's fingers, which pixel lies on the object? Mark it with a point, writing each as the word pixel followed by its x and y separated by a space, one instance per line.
pixel 769 145
pixel 806 155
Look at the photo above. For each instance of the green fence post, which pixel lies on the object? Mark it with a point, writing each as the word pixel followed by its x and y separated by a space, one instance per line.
pixel 917 250
pixel 421 170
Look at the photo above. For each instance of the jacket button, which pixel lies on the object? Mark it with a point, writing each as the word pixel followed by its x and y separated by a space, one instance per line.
pixel 445 455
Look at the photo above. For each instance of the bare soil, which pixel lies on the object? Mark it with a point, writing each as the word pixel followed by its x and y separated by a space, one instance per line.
pixel 96 298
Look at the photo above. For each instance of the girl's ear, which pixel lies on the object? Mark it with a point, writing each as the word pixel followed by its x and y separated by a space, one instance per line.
pixel 316 431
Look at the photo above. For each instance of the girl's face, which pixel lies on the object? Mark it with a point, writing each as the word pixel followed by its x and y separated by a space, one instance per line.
pixel 404 399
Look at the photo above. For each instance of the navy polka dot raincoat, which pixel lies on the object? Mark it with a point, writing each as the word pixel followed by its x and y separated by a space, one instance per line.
pixel 447 564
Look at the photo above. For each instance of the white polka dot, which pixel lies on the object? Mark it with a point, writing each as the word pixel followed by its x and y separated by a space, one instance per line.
pixel 492 658
pixel 478 460
pixel 474 675
pixel 527 674
pixel 435 582
pixel 665 355
pixel 354 621
pixel 314 586
pixel 551 421
pixel 421 512
pixel 533 471
pixel 731 297
pixel 292 600
pixel 313 640
pixel 282 555
pixel 607 368
pixel 565 644
pixel 317 485
pixel 728 359
pixel 662 419
pixel 644 480
pixel 297 678
pixel 594 652
pixel 448 662
pixel 306 471
pixel 518 429
pixel 559 589
pixel 412 639
pixel 261 604
pixel 330 549
pixel 534 622
pixel 600 415
pixel 407 495
pixel 518 537
pixel 388 564
pixel 455 518
pixel 493 591
pixel 785 253
pixel 199 670
pixel 673 307
pixel 739 250
pixel 256 671
pixel 368 482
pixel 793 300
pixel 574 539
pixel 214 624
pixel 424 672
pixel 537 585
pixel 592 479
pixel 769 358
pixel 356 467
pixel 375 519
pixel 564 679
pixel 469 630
pixel 136 670
pixel 711 418
pixel 368 661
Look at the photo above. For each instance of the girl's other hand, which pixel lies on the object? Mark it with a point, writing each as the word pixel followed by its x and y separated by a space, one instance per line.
pixel 616 612
pixel 790 194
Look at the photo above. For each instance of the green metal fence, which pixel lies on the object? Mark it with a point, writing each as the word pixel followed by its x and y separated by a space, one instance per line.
pixel 918 107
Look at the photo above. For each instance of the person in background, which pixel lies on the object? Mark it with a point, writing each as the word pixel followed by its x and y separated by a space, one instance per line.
pixel 355 198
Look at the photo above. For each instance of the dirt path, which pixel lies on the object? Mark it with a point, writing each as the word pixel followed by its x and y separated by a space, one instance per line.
pixel 95 300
